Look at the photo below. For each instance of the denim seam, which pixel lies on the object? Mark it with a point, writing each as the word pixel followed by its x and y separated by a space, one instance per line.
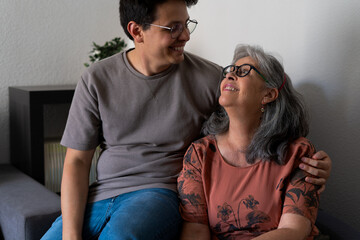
pixel 106 218
pixel 108 210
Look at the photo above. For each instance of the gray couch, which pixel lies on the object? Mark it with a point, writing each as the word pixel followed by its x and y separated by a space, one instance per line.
pixel 27 208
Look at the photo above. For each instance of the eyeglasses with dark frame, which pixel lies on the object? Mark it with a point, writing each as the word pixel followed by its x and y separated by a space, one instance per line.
pixel 178 28
pixel 241 71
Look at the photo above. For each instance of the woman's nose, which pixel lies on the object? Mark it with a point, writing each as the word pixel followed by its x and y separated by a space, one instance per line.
pixel 231 76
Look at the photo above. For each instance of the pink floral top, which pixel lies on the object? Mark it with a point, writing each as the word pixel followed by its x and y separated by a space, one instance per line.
pixel 242 203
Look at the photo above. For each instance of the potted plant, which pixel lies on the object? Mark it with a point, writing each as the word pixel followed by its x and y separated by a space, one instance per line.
pixel 108 49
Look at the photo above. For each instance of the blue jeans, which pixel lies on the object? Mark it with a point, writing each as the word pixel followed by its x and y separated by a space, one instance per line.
pixel 144 214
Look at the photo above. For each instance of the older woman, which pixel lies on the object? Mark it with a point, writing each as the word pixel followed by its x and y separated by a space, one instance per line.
pixel 243 180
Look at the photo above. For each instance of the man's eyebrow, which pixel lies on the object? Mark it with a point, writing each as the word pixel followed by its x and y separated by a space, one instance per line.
pixel 174 22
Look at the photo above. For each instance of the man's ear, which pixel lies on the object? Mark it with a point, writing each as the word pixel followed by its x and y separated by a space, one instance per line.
pixel 270 96
pixel 135 31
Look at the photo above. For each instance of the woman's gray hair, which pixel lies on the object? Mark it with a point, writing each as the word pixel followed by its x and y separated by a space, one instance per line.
pixel 284 119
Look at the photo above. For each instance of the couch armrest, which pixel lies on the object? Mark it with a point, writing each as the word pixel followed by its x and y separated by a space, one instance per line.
pixel 27 208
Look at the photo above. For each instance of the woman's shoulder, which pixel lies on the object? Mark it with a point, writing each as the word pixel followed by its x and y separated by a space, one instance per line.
pixel 204 143
pixel 201 148
pixel 302 144
pixel 301 147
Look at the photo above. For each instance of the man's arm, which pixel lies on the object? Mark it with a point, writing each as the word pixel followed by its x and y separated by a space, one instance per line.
pixel 74 191
pixel 318 166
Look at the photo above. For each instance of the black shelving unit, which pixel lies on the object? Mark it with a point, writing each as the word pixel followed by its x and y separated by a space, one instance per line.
pixel 27 124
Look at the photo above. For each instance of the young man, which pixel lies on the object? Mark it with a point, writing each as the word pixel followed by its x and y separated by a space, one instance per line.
pixel 143 107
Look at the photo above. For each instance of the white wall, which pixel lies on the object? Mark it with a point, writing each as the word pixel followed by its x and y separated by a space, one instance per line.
pixel 47 42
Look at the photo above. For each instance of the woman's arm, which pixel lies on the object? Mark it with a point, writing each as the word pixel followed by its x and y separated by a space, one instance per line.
pixel 193 206
pixel 300 206
pixel 318 166
pixel 195 231
pixel 291 227
pixel 74 191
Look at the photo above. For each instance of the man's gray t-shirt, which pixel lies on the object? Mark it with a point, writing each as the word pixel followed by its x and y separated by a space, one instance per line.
pixel 143 124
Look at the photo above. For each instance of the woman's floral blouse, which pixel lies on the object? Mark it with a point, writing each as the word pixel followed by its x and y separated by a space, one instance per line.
pixel 242 203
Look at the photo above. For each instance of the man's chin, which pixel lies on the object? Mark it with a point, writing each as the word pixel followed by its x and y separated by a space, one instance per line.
pixel 178 59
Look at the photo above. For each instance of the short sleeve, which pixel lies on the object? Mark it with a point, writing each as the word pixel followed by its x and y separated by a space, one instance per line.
pixel 193 207
pixel 301 197
pixel 82 131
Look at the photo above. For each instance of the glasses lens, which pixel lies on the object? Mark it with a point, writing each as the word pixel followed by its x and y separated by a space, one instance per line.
pixel 228 69
pixel 243 70
pixel 191 25
pixel 176 30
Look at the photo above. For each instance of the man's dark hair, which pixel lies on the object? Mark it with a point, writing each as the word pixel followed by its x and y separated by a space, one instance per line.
pixel 141 12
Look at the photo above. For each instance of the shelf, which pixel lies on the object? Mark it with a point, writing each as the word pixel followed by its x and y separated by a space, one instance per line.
pixel 26 106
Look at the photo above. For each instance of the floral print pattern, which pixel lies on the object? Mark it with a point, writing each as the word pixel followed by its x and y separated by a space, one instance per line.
pixel 253 217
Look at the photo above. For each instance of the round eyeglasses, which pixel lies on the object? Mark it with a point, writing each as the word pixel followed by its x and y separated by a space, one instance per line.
pixel 178 28
pixel 241 71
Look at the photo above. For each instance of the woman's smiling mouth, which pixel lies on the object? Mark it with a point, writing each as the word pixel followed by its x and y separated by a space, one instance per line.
pixel 229 87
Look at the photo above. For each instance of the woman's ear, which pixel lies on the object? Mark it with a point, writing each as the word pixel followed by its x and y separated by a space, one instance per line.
pixel 270 96
pixel 135 31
